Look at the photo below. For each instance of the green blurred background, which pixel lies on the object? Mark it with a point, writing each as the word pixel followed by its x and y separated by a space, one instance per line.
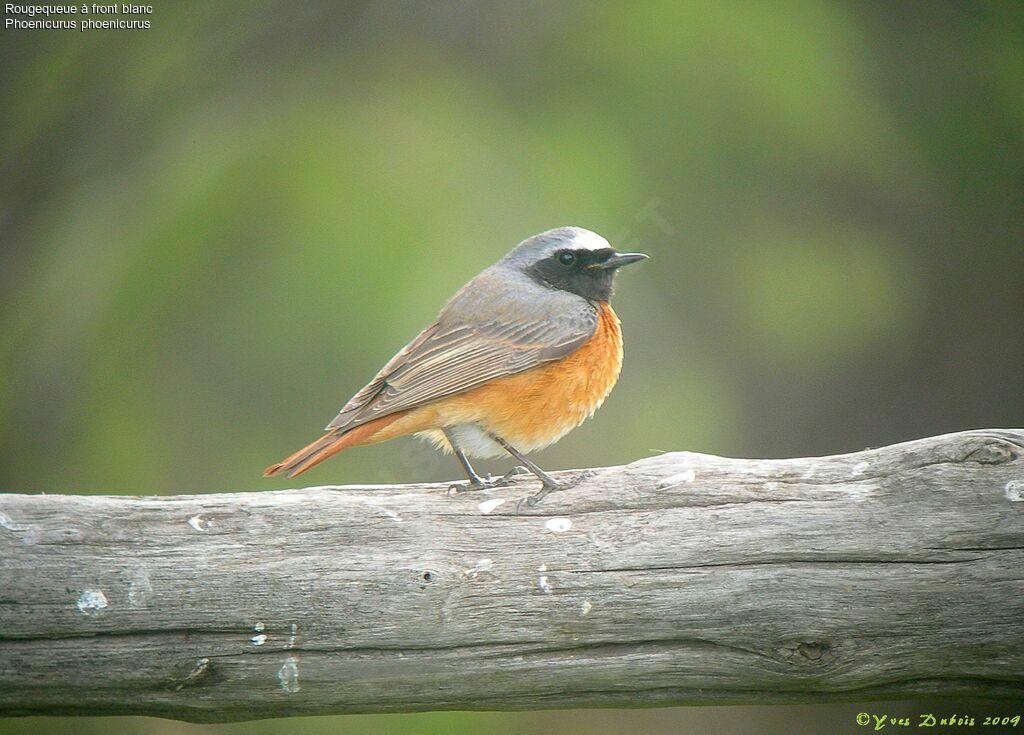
pixel 214 231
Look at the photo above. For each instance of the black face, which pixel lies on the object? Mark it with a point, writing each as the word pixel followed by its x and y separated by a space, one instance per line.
pixel 578 271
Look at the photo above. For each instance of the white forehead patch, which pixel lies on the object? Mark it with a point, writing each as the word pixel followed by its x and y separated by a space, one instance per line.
pixel 587 240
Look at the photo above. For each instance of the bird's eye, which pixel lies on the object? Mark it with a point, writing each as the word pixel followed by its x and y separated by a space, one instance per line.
pixel 566 258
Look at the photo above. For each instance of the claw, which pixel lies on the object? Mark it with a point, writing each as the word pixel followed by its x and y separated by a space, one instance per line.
pixel 487 482
pixel 482 483
pixel 533 500
pixel 545 489
pixel 517 470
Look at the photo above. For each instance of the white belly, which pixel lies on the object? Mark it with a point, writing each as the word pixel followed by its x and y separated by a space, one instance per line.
pixel 471 439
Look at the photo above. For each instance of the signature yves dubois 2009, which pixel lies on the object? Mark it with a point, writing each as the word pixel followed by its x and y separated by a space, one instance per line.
pixel 928 719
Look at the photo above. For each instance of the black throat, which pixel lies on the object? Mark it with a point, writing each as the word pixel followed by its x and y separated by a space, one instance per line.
pixel 580 278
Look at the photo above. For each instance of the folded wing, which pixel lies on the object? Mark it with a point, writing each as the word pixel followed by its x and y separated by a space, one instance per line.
pixel 452 356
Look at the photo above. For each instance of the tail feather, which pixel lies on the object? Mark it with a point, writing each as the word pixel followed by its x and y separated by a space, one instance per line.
pixel 309 455
pixel 327 446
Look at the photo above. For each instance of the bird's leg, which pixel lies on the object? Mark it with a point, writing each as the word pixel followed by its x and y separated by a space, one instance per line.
pixel 549 483
pixel 477 482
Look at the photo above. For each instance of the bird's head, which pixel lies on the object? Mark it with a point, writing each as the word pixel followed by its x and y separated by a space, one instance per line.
pixel 571 259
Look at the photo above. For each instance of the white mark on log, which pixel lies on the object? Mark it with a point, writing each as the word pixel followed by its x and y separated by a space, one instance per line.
pixel 483 565
pixel 558 525
pixel 288 675
pixel 7 522
pixel 392 515
pixel 294 634
pixel 859 469
pixel 543 586
pixel 1014 491
pixel 860 491
pixel 686 476
pixel 199 523
pixel 489 505
pixel 260 638
pixel 542 568
pixel 585 608
pixel 138 587
pixel 770 486
pixel 31 533
pixel 92 602
pixel 811 472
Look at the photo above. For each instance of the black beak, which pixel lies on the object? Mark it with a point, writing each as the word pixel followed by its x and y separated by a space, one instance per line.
pixel 620 259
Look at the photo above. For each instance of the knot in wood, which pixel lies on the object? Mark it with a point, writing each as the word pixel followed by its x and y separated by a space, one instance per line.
pixel 813 653
pixel 191 674
pixel 994 451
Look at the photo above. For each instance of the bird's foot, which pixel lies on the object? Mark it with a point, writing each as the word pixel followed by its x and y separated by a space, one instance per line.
pixel 551 486
pixel 546 488
pixel 487 482
pixel 512 473
pixel 466 487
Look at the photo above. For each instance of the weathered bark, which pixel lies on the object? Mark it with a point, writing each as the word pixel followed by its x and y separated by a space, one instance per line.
pixel 681 578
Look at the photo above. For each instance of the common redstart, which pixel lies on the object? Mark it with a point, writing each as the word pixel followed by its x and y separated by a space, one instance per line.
pixel 521 355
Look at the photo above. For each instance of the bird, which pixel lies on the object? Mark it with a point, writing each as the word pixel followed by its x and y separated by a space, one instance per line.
pixel 522 354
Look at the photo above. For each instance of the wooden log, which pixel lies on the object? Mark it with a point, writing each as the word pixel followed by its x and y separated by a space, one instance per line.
pixel 678 579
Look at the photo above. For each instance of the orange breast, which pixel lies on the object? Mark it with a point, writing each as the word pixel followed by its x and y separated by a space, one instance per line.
pixel 535 408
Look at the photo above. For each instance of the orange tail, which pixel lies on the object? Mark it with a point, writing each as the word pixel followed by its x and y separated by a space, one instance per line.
pixel 327 446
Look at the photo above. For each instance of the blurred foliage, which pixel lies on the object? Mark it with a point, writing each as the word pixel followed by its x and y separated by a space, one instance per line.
pixel 215 231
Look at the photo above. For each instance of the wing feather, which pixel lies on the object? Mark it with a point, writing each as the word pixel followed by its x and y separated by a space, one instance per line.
pixel 451 357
